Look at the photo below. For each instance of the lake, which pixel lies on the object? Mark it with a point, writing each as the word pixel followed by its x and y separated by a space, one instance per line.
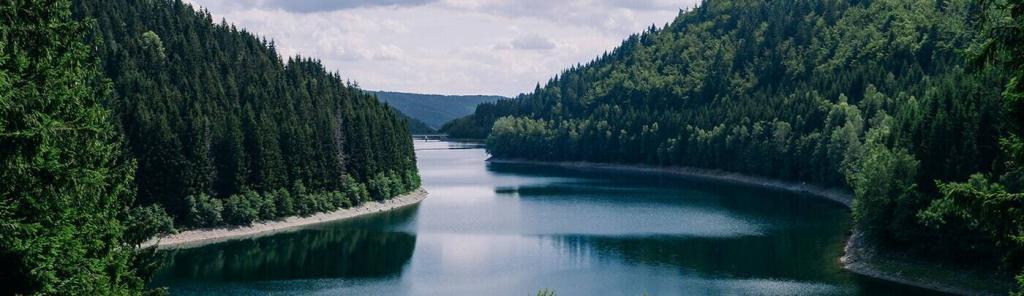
pixel 516 229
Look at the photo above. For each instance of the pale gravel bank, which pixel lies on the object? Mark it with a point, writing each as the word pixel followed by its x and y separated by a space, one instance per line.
pixel 199 237
pixel 859 257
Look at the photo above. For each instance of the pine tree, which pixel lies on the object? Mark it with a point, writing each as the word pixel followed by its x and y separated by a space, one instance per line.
pixel 65 183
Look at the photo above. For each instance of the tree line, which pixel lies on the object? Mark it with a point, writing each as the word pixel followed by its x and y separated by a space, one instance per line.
pixel 914 105
pixel 214 115
pixel 120 120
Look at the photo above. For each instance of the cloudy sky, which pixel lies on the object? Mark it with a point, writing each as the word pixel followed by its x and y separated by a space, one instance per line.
pixel 501 47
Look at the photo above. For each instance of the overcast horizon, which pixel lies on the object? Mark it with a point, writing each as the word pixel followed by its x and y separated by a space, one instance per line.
pixel 451 47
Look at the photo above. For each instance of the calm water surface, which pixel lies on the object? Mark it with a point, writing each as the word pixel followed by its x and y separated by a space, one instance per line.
pixel 513 230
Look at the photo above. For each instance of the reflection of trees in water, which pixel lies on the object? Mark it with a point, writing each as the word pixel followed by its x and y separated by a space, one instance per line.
pixel 803 237
pixel 347 250
pixel 788 256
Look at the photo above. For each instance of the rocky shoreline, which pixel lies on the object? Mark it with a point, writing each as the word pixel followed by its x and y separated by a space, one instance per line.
pixel 200 237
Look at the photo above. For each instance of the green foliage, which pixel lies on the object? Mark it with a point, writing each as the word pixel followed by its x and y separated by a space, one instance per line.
pixel 883 180
pixel 204 211
pixel 304 204
pixel 877 96
pixel 478 125
pixel 335 200
pixel 385 185
pixel 412 181
pixel 283 203
pixel 244 209
pixel 433 110
pixel 211 109
pixel 152 44
pixel 415 125
pixel 241 209
pixel 521 138
pixel 546 292
pixel 64 184
pixel 264 204
pixel 355 191
pixel 206 110
pixel 984 208
pixel 147 222
pixel 1020 286
pixel 990 207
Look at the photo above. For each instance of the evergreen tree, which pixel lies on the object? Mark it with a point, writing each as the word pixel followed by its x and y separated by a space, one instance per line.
pixel 210 112
pixel 875 96
pixel 66 184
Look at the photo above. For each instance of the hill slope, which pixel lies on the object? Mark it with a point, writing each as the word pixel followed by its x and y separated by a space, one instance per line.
pixel 876 96
pixel 225 131
pixel 415 125
pixel 434 110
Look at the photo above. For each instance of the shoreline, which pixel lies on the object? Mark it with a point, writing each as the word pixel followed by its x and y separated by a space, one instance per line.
pixel 858 257
pixel 861 258
pixel 836 195
pixel 200 237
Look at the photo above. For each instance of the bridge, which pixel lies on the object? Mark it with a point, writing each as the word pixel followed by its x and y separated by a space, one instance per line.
pixel 430 137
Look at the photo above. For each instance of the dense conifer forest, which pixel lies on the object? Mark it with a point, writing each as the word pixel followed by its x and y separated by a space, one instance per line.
pixel 219 123
pixel 125 119
pixel 914 105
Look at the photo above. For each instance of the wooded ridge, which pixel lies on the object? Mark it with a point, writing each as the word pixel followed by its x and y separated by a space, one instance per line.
pixel 913 105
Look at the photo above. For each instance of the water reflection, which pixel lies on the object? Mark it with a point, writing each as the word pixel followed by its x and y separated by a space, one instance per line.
pixel 499 229
pixel 699 226
pixel 776 257
pixel 368 247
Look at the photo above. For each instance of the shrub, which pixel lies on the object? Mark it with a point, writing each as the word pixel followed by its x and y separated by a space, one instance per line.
pixel 339 200
pixel 412 180
pixel 355 191
pixel 384 186
pixel 264 204
pixel 239 210
pixel 283 203
pixel 204 211
pixel 347 201
pixel 147 222
pixel 303 203
pixel 316 203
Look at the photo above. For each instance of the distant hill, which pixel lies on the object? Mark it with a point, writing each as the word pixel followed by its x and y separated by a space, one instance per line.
pixel 434 110
pixel 415 125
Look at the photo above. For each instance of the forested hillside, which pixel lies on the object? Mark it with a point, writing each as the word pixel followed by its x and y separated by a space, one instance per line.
pixel 434 110
pixel 894 99
pixel 415 125
pixel 226 131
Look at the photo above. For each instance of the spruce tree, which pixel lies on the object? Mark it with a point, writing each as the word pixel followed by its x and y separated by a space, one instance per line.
pixel 64 182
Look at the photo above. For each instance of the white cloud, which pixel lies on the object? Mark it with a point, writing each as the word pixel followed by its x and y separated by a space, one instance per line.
pixel 388 52
pixel 447 46
pixel 533 42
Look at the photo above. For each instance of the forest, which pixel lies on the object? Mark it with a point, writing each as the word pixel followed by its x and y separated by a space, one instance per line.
pixel 917 107
pixel 434 110
pixel 126 119
pixel 213 115
pixel 416 126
